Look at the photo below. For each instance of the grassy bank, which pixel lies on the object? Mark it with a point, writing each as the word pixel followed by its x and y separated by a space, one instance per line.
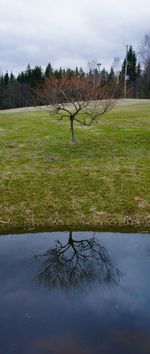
pixel 102 180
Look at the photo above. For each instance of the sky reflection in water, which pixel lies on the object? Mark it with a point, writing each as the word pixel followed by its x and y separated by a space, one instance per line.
pixel 74 292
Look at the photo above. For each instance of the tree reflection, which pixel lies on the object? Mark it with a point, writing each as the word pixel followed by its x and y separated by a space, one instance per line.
pixel 76 264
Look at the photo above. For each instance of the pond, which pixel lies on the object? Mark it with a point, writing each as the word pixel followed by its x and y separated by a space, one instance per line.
pixel 75 293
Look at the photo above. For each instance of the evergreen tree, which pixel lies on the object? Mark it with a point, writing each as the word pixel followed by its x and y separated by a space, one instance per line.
pixel 21 77
pixel 6 79
pixel 133 72
pixel 48 71
pixel 111 75
pixel 12 78
pixel 2 80
pixel 81 72
pixel 103 77
pixel 138 70
pixel 28 73
pixel 69 73
pixel 36 76
pixel 57 74
pixel 132 66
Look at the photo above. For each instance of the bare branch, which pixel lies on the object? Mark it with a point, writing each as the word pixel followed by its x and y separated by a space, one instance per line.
pixel 78 99
pixel 77 263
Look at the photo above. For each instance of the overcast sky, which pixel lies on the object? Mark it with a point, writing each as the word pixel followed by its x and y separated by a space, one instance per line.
pixel 69 33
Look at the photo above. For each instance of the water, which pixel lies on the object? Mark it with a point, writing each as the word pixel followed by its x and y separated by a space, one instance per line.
pixel 75 293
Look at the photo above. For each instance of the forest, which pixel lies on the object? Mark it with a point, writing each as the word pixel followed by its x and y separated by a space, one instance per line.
pixel 21 90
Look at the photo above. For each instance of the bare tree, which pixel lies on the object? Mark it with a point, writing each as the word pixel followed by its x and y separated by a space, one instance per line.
pixel 76 264
pixel 144 53
pixel 144 50
pixel 77 99
pixel 116 65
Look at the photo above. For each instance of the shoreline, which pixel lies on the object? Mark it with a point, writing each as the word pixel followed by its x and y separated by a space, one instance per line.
pixel 107 227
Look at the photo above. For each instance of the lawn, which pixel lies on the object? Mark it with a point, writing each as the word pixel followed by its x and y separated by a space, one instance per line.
pixel 102 181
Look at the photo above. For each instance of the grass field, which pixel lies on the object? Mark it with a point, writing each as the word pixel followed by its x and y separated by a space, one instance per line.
pixel 102 181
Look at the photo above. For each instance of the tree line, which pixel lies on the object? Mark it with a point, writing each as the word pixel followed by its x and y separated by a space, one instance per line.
pixel 21 90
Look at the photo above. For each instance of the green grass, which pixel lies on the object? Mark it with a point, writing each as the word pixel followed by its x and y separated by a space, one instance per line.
pixel 102 180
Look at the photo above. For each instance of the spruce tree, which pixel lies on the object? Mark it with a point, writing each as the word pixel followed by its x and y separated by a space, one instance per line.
pixel 133 72
pixel 111 75
pixel 48 71
pixel 12 78
pixel 6 79
pixel 132 66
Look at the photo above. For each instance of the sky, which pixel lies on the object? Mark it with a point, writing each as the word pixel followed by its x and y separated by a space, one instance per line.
pixel 69 33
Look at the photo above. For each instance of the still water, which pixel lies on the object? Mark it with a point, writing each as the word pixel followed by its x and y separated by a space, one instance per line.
pixel 75 293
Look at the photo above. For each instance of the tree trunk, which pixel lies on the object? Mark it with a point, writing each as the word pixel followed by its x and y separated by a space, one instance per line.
pixel 72 131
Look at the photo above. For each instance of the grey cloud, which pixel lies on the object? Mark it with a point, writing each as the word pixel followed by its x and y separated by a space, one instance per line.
pixel 68 34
